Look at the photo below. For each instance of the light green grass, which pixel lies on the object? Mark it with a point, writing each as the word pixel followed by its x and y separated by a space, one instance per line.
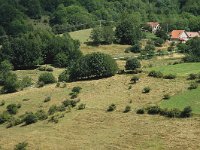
pixel 188 98
pixel 81 35
pixel 179 69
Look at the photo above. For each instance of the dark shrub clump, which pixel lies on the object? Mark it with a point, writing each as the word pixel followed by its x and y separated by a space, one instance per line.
pixel 155 74
pixel 146 90
pixel 47 78
pixel 112 107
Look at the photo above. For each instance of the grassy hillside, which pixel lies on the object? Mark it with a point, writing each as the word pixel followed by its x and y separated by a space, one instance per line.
pixel 187 98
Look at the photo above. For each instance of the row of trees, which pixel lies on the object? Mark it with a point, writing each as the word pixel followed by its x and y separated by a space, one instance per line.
pixel 38 47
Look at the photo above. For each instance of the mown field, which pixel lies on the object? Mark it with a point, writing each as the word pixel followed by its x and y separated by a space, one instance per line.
pixel 93 127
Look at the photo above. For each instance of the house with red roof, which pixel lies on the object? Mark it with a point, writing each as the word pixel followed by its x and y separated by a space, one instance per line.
pixel 193 34
pixel 155 26
pixel 179 36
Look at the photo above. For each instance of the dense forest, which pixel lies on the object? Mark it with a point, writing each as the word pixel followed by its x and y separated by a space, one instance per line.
pixel 68 15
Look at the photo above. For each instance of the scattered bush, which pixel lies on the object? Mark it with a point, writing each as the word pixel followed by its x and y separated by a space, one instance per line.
pixel 140 111
pixel 73 95
pixel 64 76
pixel 187 112
pixel 55 118
pixel 12 109
pixel 41 115
pixel 169 76
pixel 112 107
pixel 47 99
pixel 155 74
pixel 13 122
pixel 158 42
pixel 5 116
pixel 81 106
pixel 136 48
pixel 40 84
pixel 146 90
pixel 134 79
pixel 76 89
pixel 132 64
pixel 166 96
pixel 61 108
pixel 127 109
pixel 153 110
pixel 193 85
pixel 192 76
pixel 57 84
pixel 174 113
pixel 45 68
pixel 47 78
pixel 21 146
pixel 52 109
pixel 30 118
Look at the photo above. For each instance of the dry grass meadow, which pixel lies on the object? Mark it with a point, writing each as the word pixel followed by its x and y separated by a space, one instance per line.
pixel 95 129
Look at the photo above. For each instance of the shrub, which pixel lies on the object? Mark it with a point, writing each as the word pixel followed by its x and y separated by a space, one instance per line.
pixel 158 42
pixel 21 146
pixel 13 122
pixel 140 111
pixel 146 90
pixel 67 103
pixel 5 116
pixel 166 96
pixel 174 113
pixel 95 65
pixel 112 107
pixel 49 69
pixel 57 84
pixel 169 76
pixel 132 64
pixel 61 108
pixel 55 118
pixel 42 68
pixel 2 103
pixel 153 110
pixel 155 74
pixel 12 109
pixel 134 79
pixel 47 99
pixel 64 76
pixel 127 109
pixel 41 115
pixel 26 82
pixel 193 85
pixel 76 89
pixel 61 60
pixel 192 76
pixel 81 106
pixel 187 112
pixel 136 48
pixel 74 95
pixel 30 118
pixel 11 83
pixel 40 84
pixel 47 78
pixel 52 109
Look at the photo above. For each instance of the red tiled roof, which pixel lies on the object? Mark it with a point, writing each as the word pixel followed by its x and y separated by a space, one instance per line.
pixel 192 34
pixel 175 34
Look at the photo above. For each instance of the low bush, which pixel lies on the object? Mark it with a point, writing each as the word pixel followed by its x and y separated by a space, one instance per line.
pixel 134 79
pixel 55 118
pixel 187 112
pixel 47 78
pixel 52 109
pixel 64 76
pixel 47 99
pixel 132 64
pixel 76 89
pixel 81 106
pixel 173 113
pixel 30 118
pixel 57 84
pixel 193 86
pixel 13 122
pixel 41 115
pixel 45 68
pixel 155 74
pixel 40 84
pixel 49 69
pixel 73 95
pixel 166 97
pixel 127 109
pixel 112 107
pixel 192 76
pixel 12 109
pixel 169 76
pixel 61 108
pixel 140 111
pixel 153 110
pixel 146 90
pixel 5 116
pixel 21 146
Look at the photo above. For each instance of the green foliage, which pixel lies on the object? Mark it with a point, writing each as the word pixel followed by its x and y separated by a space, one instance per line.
pixel 155 74
pixel 30 118
pixel 132 64
pixel 41 115
pixel 5 68
pixel 21 146
pixel 159 42
pixel 192 76
pixel 52 109
pixel 146 90
pixel 64 76
pixel 148 52
pixel 76 89
pixel 136 48
pixel 111 107
pixel 169 76
pixel 47 78
pixel 95 65
pixel 166 97
pixel 25 82
pixel 193 85
pixel 47 99
pixel 2 103
pixel 12 109
pixel 127 109
pixel 81 106
pixel 134 79
pixel 11 83
pixel 5 116
pixel 140 111
pixel 61 60
pixel 153 110
pixel 187 112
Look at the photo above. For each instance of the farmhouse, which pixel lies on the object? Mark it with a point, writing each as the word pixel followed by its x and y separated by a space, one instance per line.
pixel 193 34
pixel 155 26
pixel 179 36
